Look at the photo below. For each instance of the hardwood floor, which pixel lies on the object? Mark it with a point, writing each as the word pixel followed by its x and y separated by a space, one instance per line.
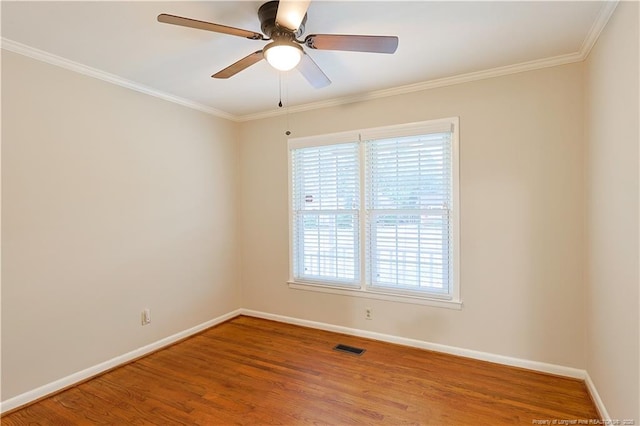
pixel 253 371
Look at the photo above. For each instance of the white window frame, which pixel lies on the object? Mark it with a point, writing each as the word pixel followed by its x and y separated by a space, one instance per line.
pixel 453 299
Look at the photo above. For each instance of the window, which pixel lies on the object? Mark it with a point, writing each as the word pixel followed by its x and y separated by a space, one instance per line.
pixel 375 212
pixel 326 200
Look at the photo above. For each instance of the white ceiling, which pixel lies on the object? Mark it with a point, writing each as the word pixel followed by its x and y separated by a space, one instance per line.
pixel 122 42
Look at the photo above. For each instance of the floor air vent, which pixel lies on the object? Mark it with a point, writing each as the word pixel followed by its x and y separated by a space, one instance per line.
pixel 349 349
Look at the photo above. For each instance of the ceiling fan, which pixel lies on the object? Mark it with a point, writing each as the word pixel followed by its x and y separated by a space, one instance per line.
pixel 283 22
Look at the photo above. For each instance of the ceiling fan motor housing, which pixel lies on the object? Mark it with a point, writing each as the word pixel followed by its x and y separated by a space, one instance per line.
pixel 267 15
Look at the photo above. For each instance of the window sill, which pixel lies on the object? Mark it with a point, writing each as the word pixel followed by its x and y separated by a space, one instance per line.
pixel 370 294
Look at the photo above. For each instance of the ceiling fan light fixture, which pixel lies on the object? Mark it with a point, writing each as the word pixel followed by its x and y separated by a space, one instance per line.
pixel 283 55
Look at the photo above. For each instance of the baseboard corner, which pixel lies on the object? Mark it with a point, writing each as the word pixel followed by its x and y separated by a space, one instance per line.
pixel 595 397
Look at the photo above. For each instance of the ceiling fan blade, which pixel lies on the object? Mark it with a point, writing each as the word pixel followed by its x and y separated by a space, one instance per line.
pixel 242 64
pixel 312 72
pixel 291 13
pixel 355 43
pixel 208 26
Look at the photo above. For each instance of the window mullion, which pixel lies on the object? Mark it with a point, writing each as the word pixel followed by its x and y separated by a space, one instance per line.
pixel 419 250
pixel 397 256
pixel 363 216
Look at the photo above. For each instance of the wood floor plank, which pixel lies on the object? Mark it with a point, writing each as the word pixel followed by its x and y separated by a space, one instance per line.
pixel 250 371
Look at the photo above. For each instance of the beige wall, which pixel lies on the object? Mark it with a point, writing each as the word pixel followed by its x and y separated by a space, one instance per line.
pixel 522 217
pixel 113 201
pixel 611 127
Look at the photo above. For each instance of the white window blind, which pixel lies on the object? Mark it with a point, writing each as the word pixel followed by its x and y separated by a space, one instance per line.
pixel 409 189
pixel 325 208
pixel 375 212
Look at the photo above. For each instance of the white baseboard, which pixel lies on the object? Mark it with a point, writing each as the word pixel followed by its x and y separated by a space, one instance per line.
pixel 468 353
pixel 595 396
pixel 80 376
pixel 50 388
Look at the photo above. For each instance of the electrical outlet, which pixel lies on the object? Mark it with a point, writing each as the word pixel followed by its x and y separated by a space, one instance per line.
pixel 146 316
pixel 368 313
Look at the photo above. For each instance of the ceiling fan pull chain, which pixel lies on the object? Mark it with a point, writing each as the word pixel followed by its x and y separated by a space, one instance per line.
pixel 284 90
pixel 286 97
pixel 280 89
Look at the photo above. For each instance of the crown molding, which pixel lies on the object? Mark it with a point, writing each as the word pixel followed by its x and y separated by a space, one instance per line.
pixel 41 55
pixel 598 25
pixel 590 40
pixel 425 85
